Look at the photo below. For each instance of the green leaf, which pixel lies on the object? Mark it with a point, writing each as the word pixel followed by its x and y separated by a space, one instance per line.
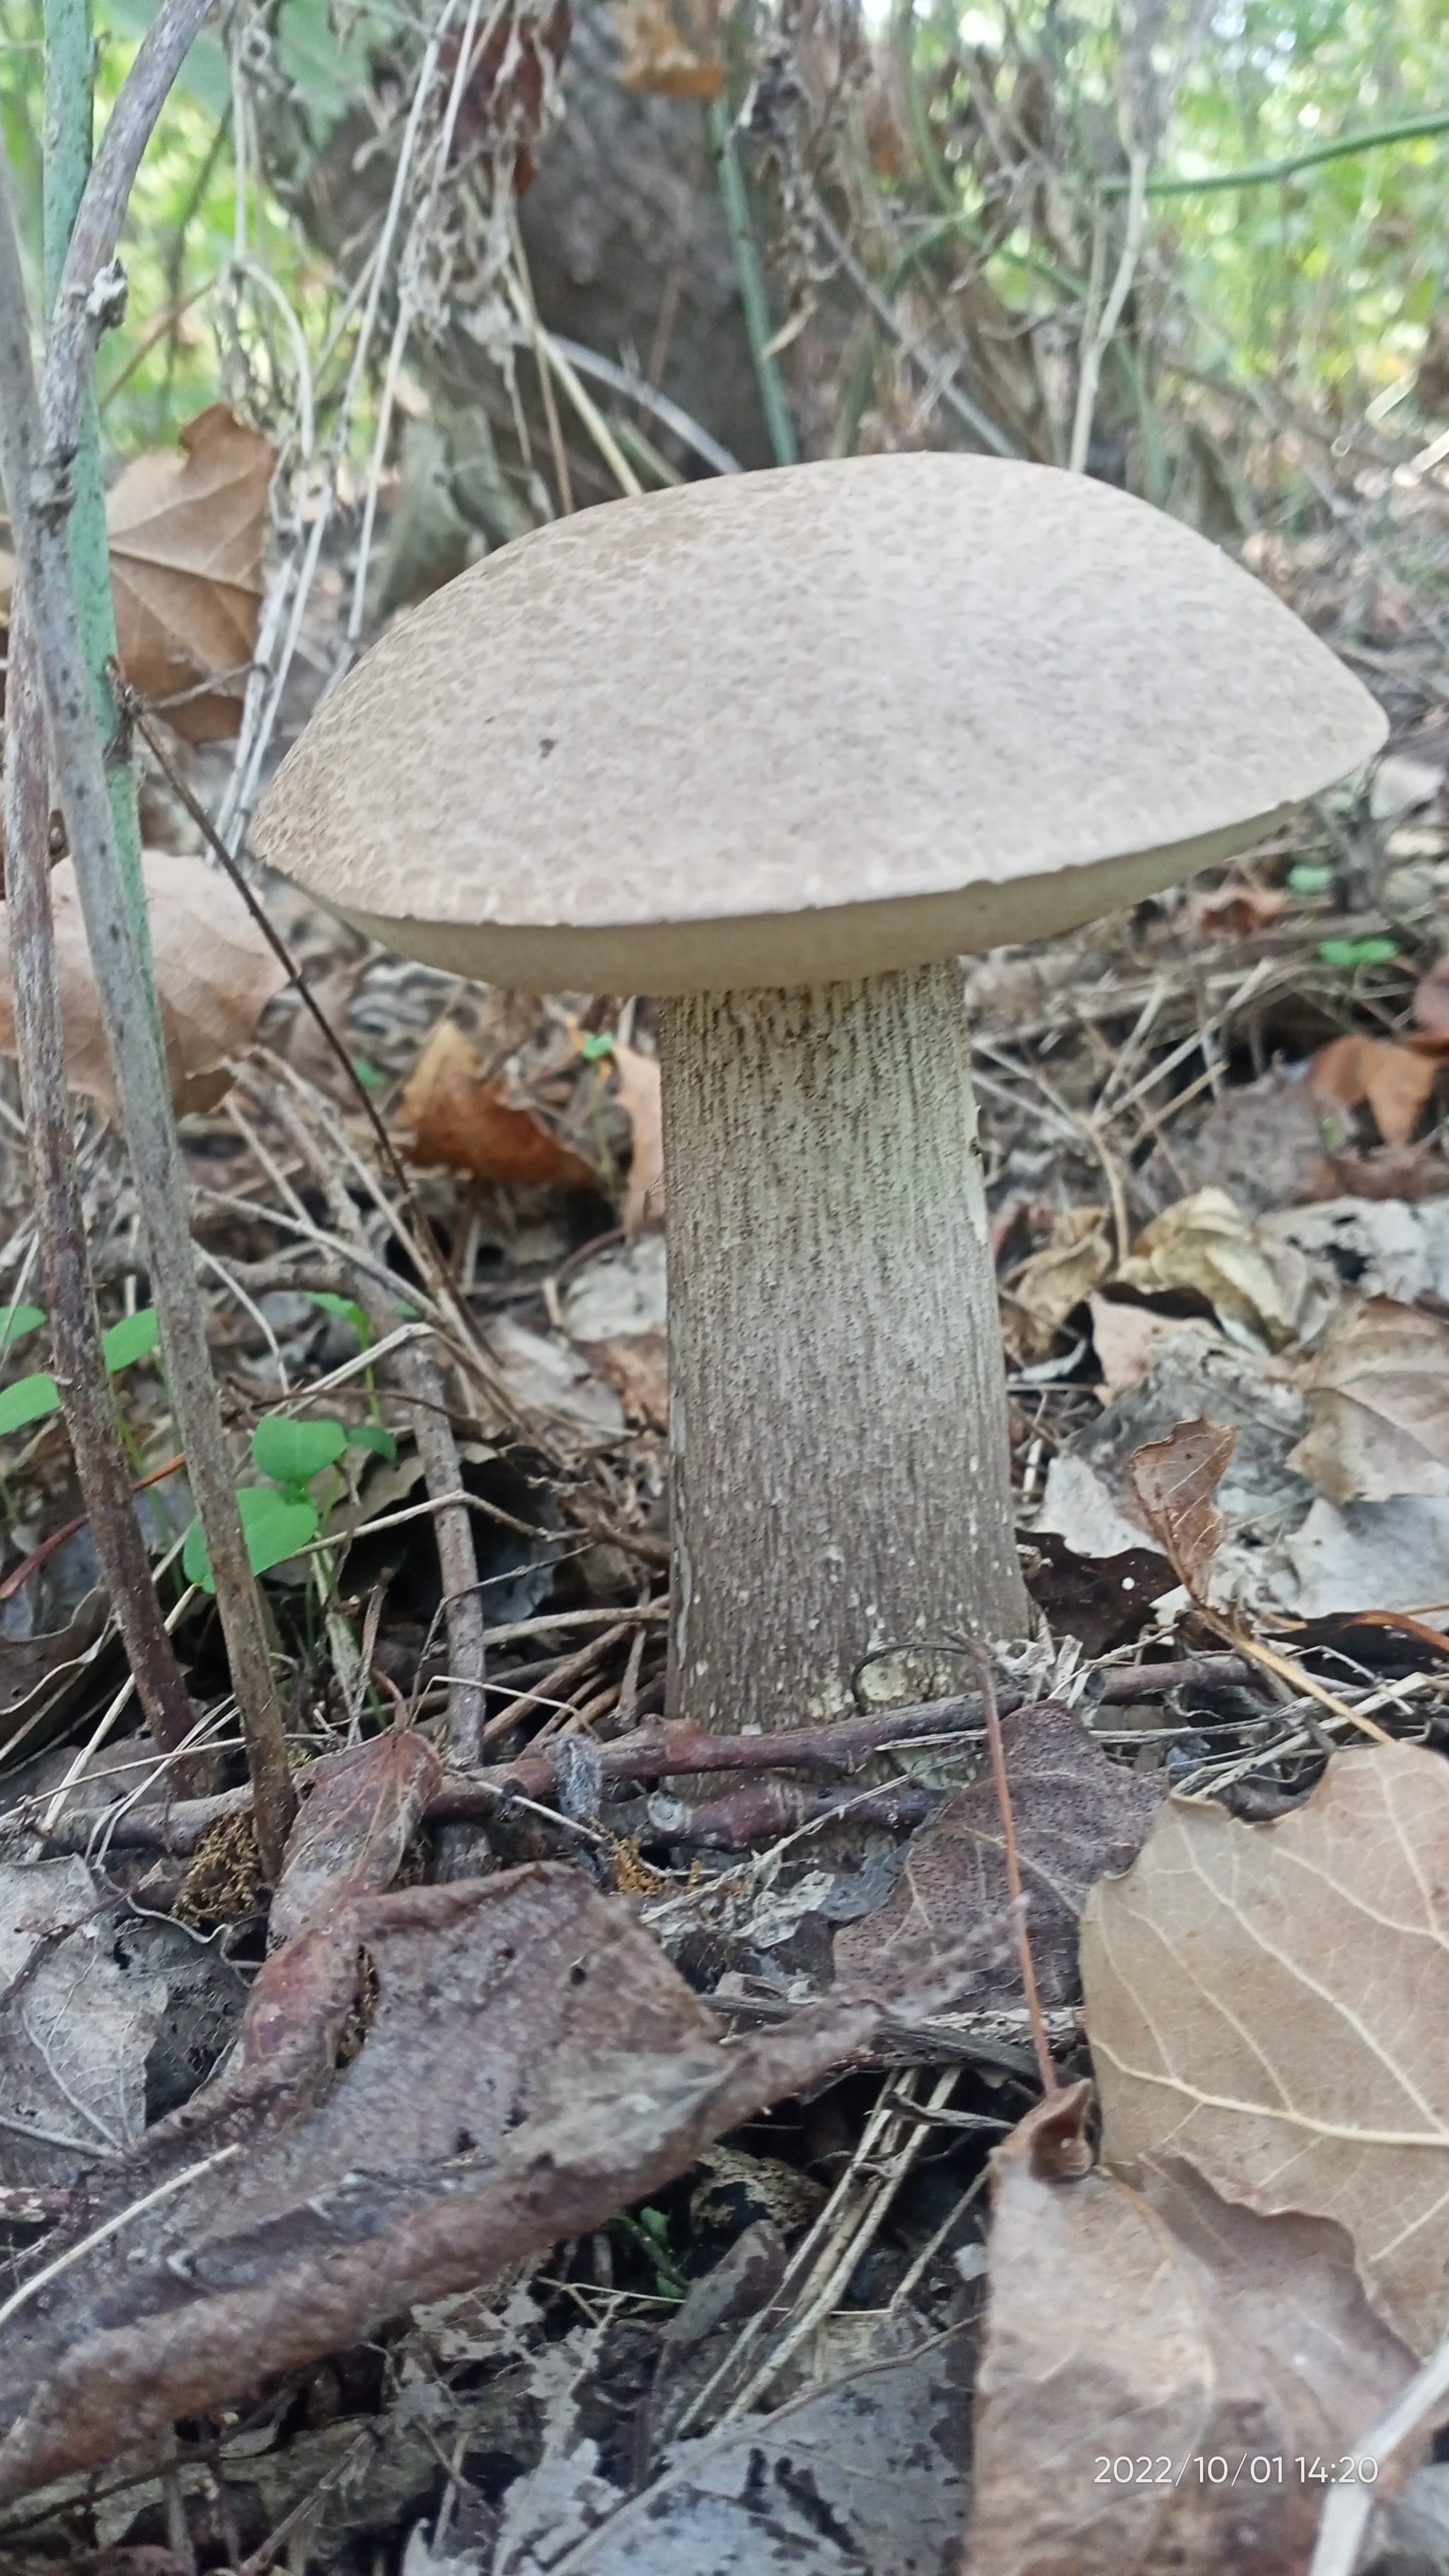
pixel 368 1074
pixel 592 1048
pixel 30 1399
pixel 18 1320
pixel 134 1338
pixel 1306 879
pixel 1357 952
pixel 655 2224
pixel 294 1452
pixel 371 1435
pixel 273 1525
pixel 346 1310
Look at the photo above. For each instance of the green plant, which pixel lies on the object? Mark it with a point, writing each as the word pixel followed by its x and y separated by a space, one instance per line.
pixel 282 1517
pixel 1349 953
pixel 31 1398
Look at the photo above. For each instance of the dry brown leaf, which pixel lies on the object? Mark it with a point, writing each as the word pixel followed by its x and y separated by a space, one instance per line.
pixel 1205 1242
pixel 1397 1080
pixel 523 2062
pixel 462 1119
pixel 1431 1000
pixel 186 534
pixel 1125 1339
pixel 360 1813
pixel 1137 2335
pixel 1076 1814
pixel 638 1095
pixel 214 972
pixel 1175 1481
pixel 670 51
pixel 1380 1406
pixel 1270 2002
pixel 638 1370
pixel 1038 1296
pixel 1240 910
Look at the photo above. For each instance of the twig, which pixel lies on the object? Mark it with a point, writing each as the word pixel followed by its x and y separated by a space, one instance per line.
pixel 1045 2063
pixel 90 1413
pixel 39 497
pixel 1096 336
pixel 1351 2499
pixel 559 1678
pixel 736 204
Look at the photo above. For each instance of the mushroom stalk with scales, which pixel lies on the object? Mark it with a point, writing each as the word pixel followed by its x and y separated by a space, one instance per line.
pixel 777 748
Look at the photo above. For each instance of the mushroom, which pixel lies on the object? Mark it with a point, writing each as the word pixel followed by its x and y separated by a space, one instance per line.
pixel 777 748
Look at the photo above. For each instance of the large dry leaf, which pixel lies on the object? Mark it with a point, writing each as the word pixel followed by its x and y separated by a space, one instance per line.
pixel 1396 1078
pixel 520 2062
pixel 1380 1400
pixel 864 2477
pixel 1206 1243
pixel 214 972
pixel 1075 1813
pixel 460 1117
pixel 360 1813
pixel 1137 2337
pixel 186 534
pixel 1270 2001
pixel 1038 1296
pixel 1174 1481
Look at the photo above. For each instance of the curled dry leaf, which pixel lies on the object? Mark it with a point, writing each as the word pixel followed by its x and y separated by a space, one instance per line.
pixel 670 51
pixel 1237 911
pixel 1380 1406
pixel 1206 1243
pixel 529 2063
pixel 186 534
pixel 1395 1078
pixel 1175 1481
pixel 1159 2327
pixel 638 1094
pixel 361 1811
pixel 461 1117
pixel 1076 1814
pixel 1038 1296
pixel 215 975
pixel 1269 2001
pixel 638 1371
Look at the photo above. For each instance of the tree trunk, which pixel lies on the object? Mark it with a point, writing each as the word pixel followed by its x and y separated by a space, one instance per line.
pixel 838 1446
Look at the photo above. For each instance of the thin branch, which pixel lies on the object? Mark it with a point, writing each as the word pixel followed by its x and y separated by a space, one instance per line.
pixel 982 1662
pixel 1262 174
pixel 1097 336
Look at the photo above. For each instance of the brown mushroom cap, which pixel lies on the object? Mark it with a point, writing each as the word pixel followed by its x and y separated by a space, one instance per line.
pixel 798 726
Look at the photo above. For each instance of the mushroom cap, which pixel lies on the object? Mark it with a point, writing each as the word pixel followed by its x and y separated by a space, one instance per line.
pixel 792 727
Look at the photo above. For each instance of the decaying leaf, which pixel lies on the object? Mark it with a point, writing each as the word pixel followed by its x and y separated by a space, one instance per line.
pixel 1125 1339
pixel 638 1370
pixel 1235 912
pixel 1395 1077
pixel 362 1810
pixel 460 1117
pixel 670 51
pixel 1380 1400
pixel 186 535
pixel 1140 2335
pixel 1175 1481
pixel 1205 1242
pixel 864 2477
pixel 1269 2001
pixel 637 1092
pixel 529 2063
pixel 214 972
pixel 1038 1296
pixel 1076 1814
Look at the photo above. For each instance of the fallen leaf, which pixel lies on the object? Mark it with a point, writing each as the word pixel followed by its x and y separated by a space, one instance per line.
pixel 1401 784
pixel 669 52
pixel 1125 1339
pixel 1075 1815
pixel 1136 2337
pixel 1238 911
pixel 1369 1556
pixel 1206 1243
pixel 638 1094
pixel 1397 1080
pixel 215 975
pixel 1431 999
pixel 186 533
pixel 1102 1601
pixel 362 1809
pixel 863 2477
pixel 638 1370
pixel 1269 2002
pixel 1038 1296
pixel 39 1676
pixel 620 1294
pixel 459 1117
pixel 1175 1481
pixel 529 2063
pixel 1384 1172
pixel 1380 1406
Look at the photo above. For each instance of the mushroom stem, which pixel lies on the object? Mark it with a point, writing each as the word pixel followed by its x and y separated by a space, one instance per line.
pixel 838 1443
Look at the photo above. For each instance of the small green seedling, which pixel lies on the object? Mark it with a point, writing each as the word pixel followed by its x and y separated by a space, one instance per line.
pixel 31 1398
pixel 281 1518
pixel 1310 877
pixel 1349 953
pixel 594 1048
